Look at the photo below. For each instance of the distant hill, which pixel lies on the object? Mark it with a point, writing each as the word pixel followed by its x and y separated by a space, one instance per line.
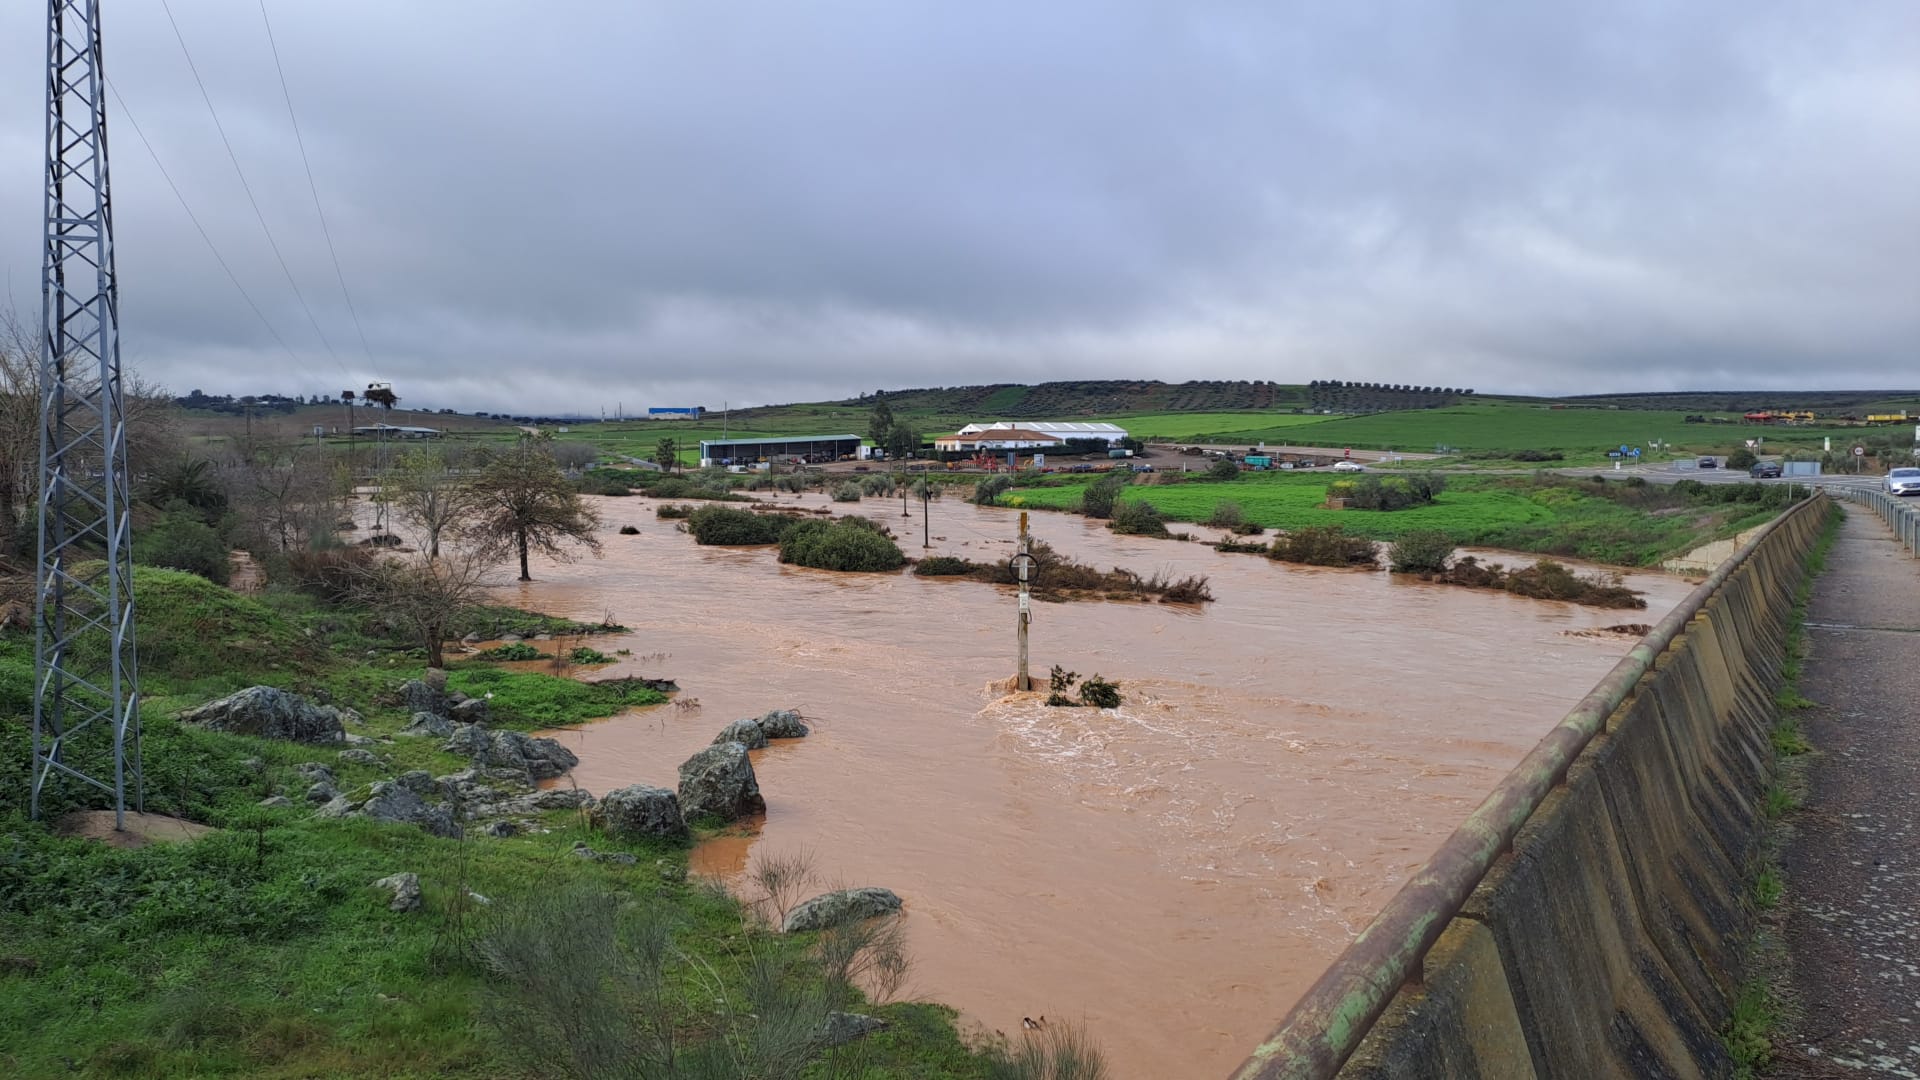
pixel 1743 401
pixel 1091 398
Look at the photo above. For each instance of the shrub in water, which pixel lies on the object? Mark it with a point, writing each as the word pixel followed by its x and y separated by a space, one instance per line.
pixel 1323 545
pixel 1137 518
pixel 1100 693
pixel 944 566
pixel 1423 551
pixel 1099 498
pixel 725 525
pixel 630 530
pixel 1058 683
pixel 1227 514
pixel 674 510
pixel 876 484
pixel 853 544
pixel 847 492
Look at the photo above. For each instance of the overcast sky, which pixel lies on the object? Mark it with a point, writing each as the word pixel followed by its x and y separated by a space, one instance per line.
pixel 553 207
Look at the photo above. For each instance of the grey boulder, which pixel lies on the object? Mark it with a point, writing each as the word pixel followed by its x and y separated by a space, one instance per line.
pixel 719 781
pixel 269 713
pixel 322 791
pixel 842 1028
pixel 359 757
pixel 539 758
pixel 405 889
pixel 387 800
pixel 748 733
pixel 426 723
pixel 837 908
pixel 418 697
pixel 640 810
pixel 783 724
pixel 472 711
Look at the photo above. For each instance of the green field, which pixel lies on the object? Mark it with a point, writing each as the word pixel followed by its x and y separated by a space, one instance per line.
pixel 1199 426
pixel 1503 425
pixel 1552 516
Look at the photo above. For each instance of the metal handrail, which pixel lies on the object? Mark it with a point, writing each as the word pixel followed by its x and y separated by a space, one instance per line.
pixel 1901 515
pixel 1327 1024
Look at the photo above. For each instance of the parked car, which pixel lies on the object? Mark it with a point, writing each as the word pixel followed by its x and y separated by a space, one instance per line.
pixel 1709 462
pixel 1348 466
pixel 1902 482
pixel 1764 470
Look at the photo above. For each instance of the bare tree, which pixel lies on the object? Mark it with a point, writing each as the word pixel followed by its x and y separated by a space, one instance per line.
pixel 431 494
pixel 426 596
pixel 290 495
pixel 19 423
pixel 526 505
pixel 574 456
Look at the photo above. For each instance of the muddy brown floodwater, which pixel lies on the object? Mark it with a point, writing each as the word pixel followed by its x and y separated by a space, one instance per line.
pixel 1173 873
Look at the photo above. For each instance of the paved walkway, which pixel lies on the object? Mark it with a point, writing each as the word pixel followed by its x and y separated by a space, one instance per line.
pixel 1853 867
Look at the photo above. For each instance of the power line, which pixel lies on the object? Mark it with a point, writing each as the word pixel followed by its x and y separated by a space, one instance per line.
pixel 311 186
pixel 248 188
pixel 191 216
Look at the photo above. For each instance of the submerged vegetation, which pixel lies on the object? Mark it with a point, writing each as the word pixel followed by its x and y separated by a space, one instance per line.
pixel 1054 576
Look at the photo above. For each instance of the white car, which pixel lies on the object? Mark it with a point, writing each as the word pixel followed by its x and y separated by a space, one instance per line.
pixel 1348 466
pixel 1902 482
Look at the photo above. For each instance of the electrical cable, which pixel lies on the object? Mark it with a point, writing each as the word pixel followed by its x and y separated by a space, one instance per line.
pixel 195 218
pixel 312 187
pixel 248 188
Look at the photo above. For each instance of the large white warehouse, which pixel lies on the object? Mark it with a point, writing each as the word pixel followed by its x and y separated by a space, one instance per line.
pixel 1110 434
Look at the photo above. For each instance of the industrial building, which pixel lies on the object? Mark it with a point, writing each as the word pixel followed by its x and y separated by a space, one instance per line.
pixel 1111 434
pixel 811 449
pixel 395 431
pixel 676 412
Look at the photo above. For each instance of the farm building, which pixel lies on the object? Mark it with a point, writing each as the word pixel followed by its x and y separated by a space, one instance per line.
pixel 1007 438
pixel 395 431
pixel 1059 429
pixel 812 449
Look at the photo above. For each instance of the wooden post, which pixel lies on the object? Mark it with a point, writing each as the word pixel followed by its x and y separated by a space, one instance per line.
pixel 1022 680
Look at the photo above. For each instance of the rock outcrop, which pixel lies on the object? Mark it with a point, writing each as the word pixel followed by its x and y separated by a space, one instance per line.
pixel 748 733
pixel 641 811
pixel 842 1028
pixel 389 800
pixel 540 759
pixel 719 781
pixel 418 697
pixel 405 888
pixel 269 713
pixel 844 906
pixel 783 724
pixel 426 723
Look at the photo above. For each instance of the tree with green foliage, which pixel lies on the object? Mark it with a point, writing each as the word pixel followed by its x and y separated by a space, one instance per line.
pixel 182 540
pixel 666 454
pixel 1224 469
pixel 526 504
pixel 1098 499
pixel 189 480
pixel 880 424
pixel 1742 458
pixel 902 442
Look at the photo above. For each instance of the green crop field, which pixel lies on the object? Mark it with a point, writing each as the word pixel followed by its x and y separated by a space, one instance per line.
pixel 1553 516
pixel 1203 426
pixel 1501 425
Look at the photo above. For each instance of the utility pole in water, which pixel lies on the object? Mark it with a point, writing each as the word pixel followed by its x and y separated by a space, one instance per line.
pixel 1023 559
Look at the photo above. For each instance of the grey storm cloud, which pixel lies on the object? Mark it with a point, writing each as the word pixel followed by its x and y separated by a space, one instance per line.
pixel 565 207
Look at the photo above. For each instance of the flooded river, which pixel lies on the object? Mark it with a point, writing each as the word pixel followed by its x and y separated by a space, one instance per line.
pixel 1175 872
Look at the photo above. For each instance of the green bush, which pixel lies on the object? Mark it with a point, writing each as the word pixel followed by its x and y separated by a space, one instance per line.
pixel 878 484
pixel 850 544
pixel 1099 693
pixel 1227 514
pixel 1224 469
pixel 847 492
pixel 597 482
pixel 1388 493
pixel 673 510
pixel 1423 551
pixel 1323 545
pixel 1099 498
pixel 988 490
pixel 181 541
pixel 726 526
pixel 1137 518
pixel 513 650
pixel 944 566
pixel 1742 458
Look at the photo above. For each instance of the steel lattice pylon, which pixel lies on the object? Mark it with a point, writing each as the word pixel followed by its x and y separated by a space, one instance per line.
pixel 86 721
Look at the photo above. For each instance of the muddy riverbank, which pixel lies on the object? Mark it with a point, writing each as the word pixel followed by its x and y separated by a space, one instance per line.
pixel 1174 872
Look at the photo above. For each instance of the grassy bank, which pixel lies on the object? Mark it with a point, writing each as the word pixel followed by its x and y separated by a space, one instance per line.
pixel 261 951
pixel 1610 522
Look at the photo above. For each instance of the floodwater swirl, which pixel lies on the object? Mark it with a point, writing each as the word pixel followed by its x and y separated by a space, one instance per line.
pixel 1172 873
